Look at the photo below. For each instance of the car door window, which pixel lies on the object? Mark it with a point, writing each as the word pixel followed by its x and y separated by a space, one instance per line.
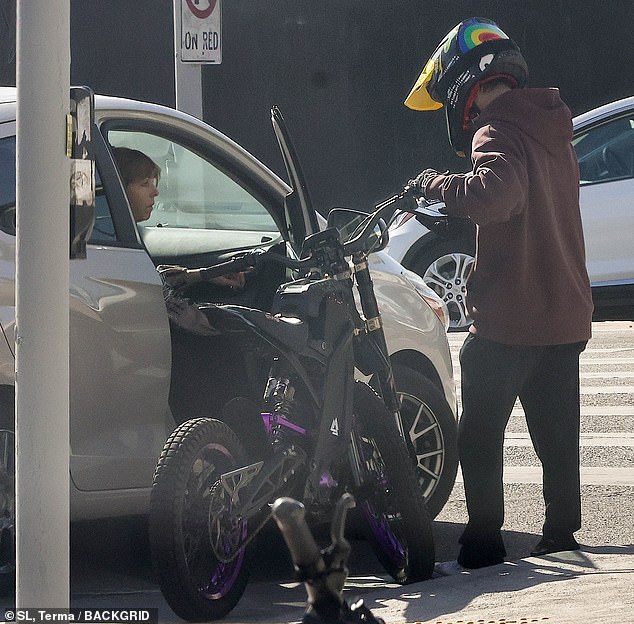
pixel 606 151
pixel 103 231
pixel 200 207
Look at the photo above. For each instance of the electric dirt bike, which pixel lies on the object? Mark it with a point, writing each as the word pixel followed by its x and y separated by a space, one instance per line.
pixel 317 434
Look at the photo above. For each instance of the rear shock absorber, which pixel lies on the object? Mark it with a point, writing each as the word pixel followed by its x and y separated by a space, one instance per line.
pixel 279 396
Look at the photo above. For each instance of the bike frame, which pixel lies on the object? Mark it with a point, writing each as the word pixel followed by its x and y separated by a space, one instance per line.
pixel 338 340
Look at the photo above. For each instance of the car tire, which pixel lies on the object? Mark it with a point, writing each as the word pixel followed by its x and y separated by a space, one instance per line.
pixel 444 266
pixel 7 492
pixel 432 435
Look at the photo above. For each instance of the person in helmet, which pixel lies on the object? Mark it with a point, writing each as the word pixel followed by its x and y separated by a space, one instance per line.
pixel 528 293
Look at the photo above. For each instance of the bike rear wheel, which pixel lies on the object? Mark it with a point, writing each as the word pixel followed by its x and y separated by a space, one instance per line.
pixel 187 527
pixel 398 525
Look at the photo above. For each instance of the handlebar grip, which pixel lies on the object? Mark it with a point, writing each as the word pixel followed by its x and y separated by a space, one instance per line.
pixel 235 265
pixel 248 261
pixel 290 517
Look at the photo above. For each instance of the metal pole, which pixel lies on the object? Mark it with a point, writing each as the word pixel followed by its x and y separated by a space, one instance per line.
pixel 187 76
pixel 42 285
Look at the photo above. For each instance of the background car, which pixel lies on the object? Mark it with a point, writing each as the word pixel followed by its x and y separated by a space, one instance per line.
pixel 132 378
pixel 604 143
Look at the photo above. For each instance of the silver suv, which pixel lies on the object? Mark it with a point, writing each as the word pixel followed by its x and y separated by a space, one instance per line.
pixel 132 379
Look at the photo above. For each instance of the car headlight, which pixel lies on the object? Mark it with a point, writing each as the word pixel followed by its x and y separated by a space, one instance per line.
pixel 429 296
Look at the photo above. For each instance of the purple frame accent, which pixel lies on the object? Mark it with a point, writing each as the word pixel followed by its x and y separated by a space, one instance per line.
pixel 271 419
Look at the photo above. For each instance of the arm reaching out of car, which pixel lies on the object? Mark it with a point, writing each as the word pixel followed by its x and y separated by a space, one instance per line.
pixel 179 277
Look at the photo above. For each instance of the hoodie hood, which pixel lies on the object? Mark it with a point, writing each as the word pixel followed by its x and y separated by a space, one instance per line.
pixel 540 113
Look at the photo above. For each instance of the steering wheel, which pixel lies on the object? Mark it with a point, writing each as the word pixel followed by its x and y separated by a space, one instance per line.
pixel 615 163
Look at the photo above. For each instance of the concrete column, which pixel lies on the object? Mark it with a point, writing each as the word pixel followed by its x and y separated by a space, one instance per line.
pixel 42 283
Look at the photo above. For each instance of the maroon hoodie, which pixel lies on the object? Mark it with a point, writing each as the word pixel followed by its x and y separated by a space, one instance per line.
pixel 529 284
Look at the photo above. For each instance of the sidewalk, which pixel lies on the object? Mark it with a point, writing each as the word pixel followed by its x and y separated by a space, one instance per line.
pixel 593 586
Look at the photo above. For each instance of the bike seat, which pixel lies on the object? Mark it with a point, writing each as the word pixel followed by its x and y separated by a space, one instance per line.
pixel 290 331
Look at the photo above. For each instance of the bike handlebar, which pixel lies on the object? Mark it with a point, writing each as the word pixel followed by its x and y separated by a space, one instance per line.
pixel 249 260
pixel 358 242
pixel 290 517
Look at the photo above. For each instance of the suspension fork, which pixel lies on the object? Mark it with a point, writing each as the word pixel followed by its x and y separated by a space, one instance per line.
pixel 374 327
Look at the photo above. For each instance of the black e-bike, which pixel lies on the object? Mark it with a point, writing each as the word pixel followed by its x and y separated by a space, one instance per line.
pixel 316 435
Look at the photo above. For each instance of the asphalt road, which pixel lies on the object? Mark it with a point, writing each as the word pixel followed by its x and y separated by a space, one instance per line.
pixel 110 566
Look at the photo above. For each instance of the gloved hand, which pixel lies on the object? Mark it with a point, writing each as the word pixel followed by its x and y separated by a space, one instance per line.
pixel 188 316
pixel 422 180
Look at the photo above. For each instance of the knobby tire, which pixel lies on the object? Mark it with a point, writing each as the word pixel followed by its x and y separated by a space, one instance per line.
pixel 194 583
pixel 399 527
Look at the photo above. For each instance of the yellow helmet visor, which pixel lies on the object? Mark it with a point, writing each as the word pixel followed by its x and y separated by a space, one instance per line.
pixel 419 98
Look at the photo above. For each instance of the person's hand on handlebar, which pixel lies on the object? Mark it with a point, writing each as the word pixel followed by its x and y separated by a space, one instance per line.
pixel 235 281
pixel 421 182
pixel 179 277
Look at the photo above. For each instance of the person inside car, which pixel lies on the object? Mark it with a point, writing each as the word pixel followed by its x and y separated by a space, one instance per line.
pixel 196 346
pixel 140 176
pixel 530 322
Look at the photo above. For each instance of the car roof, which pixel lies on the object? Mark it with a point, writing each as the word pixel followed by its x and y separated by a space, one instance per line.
pixel 108 106
pixel 603 112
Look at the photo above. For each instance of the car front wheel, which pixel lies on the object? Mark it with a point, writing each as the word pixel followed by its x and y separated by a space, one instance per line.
pixel 445 267
pixel 431 433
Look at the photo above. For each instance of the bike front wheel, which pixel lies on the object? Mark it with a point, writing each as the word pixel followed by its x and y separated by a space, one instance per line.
pixel 189 531
pixel 389 498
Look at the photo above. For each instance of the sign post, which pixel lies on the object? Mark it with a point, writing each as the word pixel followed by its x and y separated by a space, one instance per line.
pixel 197 41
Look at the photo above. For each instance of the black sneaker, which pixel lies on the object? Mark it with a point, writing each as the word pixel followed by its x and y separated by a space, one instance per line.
pixel 547 546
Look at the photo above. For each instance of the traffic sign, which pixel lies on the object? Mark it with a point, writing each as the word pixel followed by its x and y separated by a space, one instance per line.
pixel 201 40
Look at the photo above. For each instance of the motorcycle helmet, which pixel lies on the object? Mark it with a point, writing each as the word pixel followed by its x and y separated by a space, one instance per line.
pixel 472 53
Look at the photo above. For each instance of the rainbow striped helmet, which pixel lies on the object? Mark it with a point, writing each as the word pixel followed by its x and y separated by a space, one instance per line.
pixel 474 50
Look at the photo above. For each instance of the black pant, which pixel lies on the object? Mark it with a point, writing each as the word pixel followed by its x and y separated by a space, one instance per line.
pixel 546 380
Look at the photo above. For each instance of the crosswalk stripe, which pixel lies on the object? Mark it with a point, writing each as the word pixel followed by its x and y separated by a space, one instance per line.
pixel 590 361
pixel 607 410
pixel 606 375
pixel 620 389
pixel 614 350
pixel 589 475
pixel 515 439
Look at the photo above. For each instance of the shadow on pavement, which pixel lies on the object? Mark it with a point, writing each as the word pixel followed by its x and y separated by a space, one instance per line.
pixel 105 553
pixel 110 565
pixel 505 589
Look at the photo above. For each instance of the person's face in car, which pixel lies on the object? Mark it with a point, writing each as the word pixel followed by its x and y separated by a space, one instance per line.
pixel 141 194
